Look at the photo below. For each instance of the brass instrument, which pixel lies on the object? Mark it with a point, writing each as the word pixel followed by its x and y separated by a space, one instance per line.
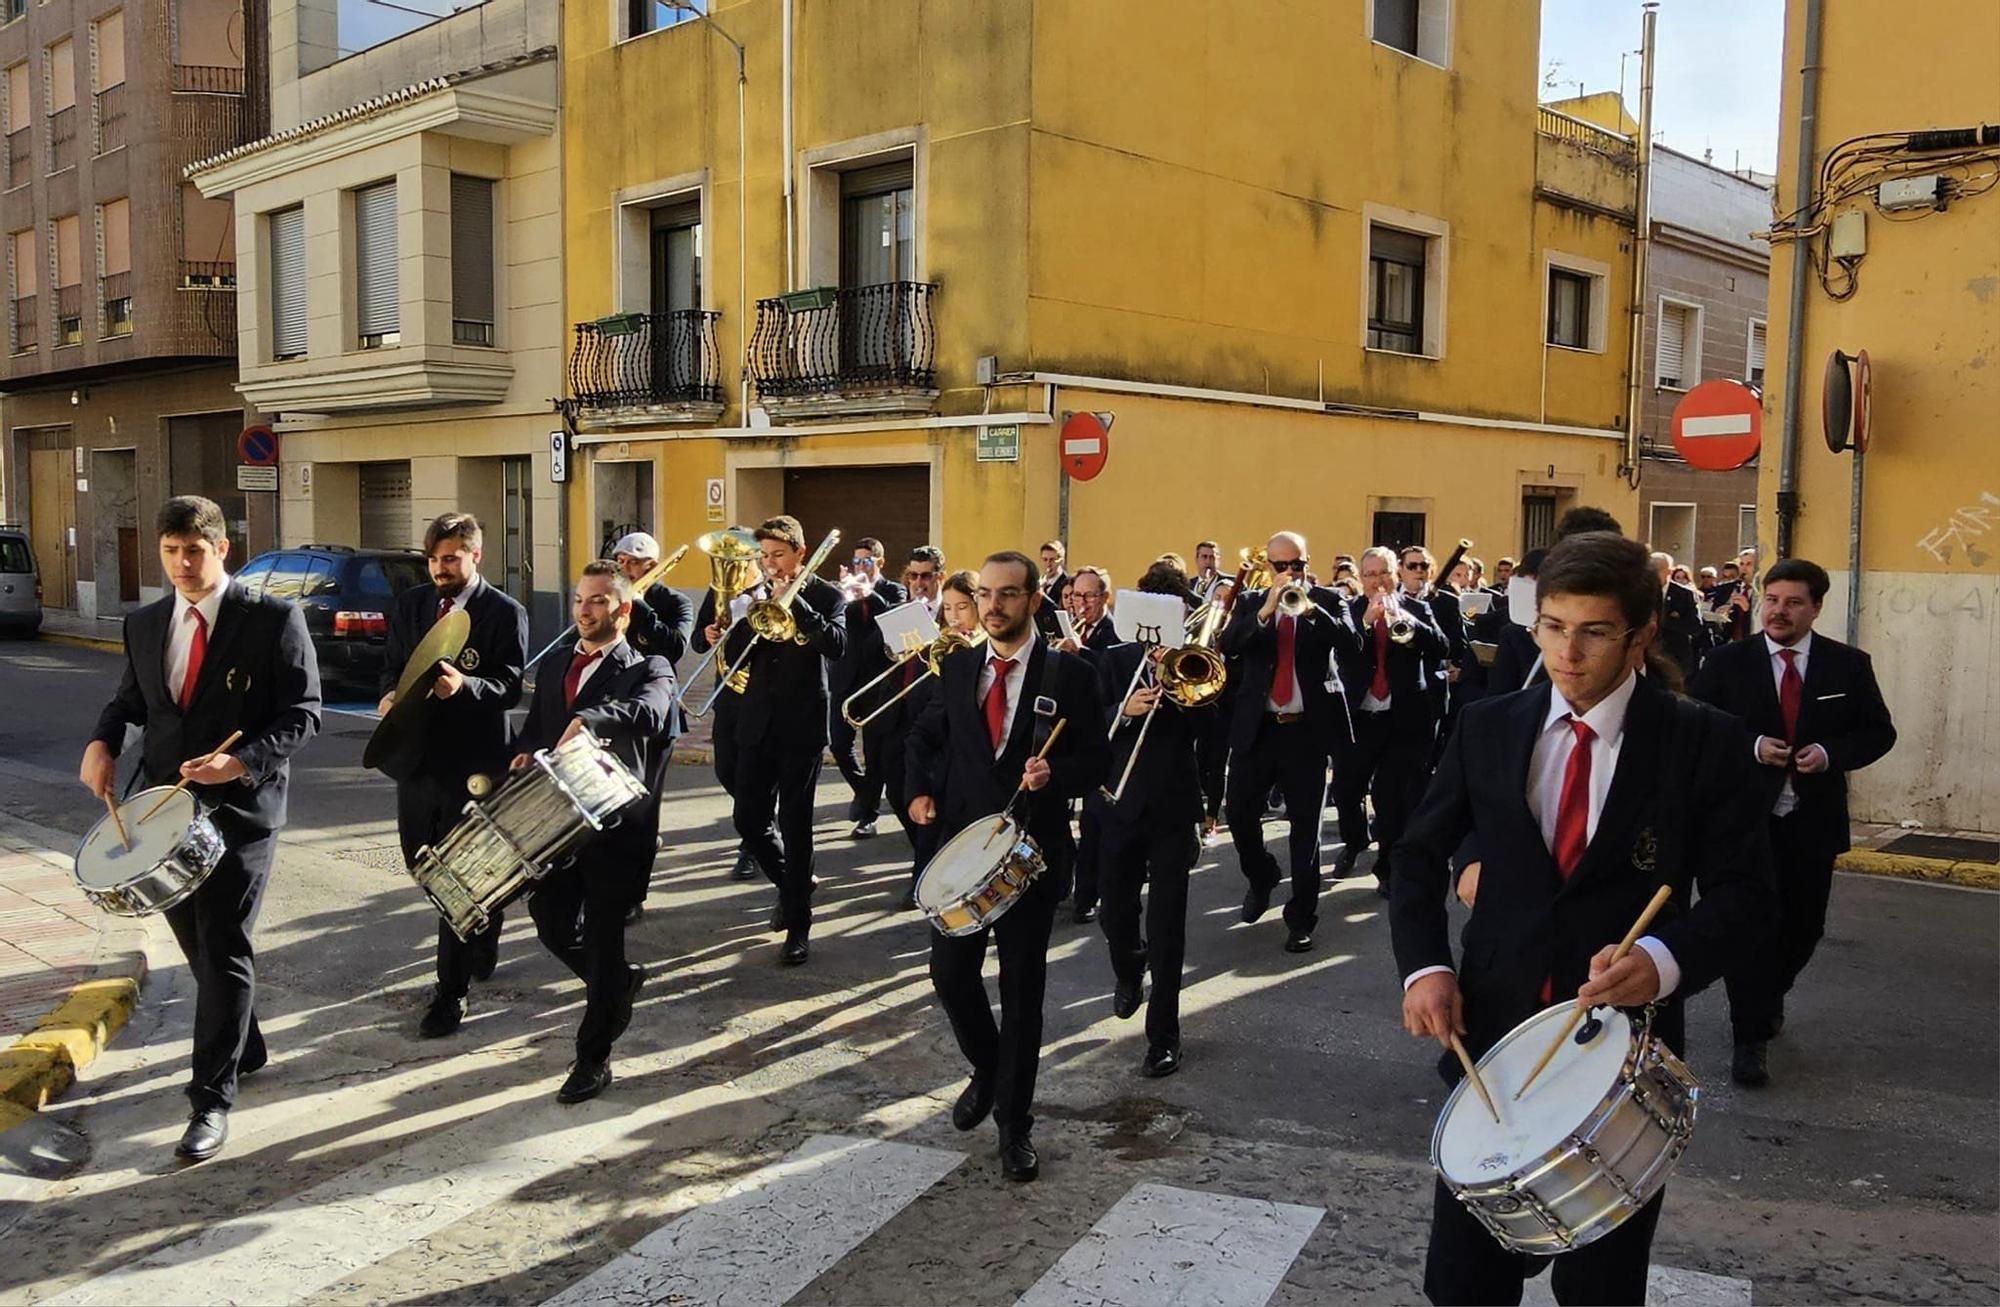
pixel 933 655
pixel 1442 577
pixel 647 580
pixel 771 619
pixel 1256 571
pixel 733 570
pixel 1192 675
pixel 1402 626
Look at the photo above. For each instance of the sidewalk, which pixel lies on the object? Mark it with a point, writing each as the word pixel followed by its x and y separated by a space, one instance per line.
pixel 69 974
pixel 65 626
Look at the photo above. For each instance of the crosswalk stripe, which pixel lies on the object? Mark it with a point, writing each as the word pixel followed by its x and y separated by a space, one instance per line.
pixel 1666 1286
pixel 1161 1245
pixel 774 1232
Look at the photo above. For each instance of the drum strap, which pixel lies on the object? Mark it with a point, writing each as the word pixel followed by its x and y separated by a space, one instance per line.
pixel 1045 702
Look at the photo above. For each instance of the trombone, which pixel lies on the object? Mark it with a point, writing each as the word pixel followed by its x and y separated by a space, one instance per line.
pixel 646 581
pixel 771 619
pixel 1192 675
pixel 933 655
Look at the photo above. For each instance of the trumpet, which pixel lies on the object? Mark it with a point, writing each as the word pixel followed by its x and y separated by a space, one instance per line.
pixel 647 580
pixel 933 656
pixel 1402 626
pixel 771 619
pixel 733 570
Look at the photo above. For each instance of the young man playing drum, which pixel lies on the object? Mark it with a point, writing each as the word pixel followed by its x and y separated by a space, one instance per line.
pixel 462 735
pixel 625 699
pixel 973 748
pixel 200 664
pixel 1586 794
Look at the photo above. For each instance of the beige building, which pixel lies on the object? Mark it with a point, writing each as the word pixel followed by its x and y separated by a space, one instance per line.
pixel 400 295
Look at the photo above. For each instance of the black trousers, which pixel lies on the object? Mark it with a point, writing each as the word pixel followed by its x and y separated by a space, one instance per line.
pixel 1211 750
pixel 778 778
pixel 426 811
pixel 1159 851
pixel 1390 757
pixel 1004 1055
pixel 213 927
pixel 1089 854
pixel 1466 1265
pixel 1760 978
pixel 579 914
pixel 896 783
pixel 861 772
pixel 1288 756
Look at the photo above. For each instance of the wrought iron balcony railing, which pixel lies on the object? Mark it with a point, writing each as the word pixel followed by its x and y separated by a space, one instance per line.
pixel 211 78
pixel 115 289
pixel 62 139
pixel 19 155
pixel 69 315
pixel 197 275
pixel 110 118
pixel 27 323
pixel 637 359
pixel 840 341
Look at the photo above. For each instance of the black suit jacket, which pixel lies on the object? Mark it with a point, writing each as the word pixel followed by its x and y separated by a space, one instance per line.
pixel 467 733
pixel 628 704
pixel 1457 647
pixel 1841 711
pixel 662 623
pixel 1102 638
pixel 1325 633
pixel 865 655
pixel 259 676
pixel 1413 667
pixel 1515 662
pixel 951 757
pixel 1682 632
pixel 1681 810
pixel 1053 594
pixel 1166 779
pixel 786 701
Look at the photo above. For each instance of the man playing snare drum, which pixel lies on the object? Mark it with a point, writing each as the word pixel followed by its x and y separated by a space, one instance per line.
pixel 1626 787
pixel 206 661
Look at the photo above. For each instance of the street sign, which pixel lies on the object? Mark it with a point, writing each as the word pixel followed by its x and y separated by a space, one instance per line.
pixel 559 457
pixel 999 444
pixel 258 446
pixel 717 499
pixel 1086 444
pixel 1719 425
pixel 256 476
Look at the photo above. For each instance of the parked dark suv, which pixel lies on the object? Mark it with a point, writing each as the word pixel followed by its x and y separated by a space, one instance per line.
pixel 345 594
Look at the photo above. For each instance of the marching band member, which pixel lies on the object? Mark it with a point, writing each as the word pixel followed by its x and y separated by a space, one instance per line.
pixel 971 750
pixel 1682 632
pixel 868 594
pixel 1054 583
pixel 1628 787
pixel 465 734
pixel 709 626
pixel 1089 594
pixel 1416 567
pixel 200 664
pixel 1818 714
pixel 1288 722
pixel 957 610
pixel 780 730
pixel 662 619
pixel 1388 682
pixel 625 699
pixel 1207 570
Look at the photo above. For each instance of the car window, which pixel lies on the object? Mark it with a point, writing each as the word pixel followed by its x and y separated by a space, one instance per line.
pixel 386 577
pixel 252 575
pixel 14 555
pixel 287 578
pixel 319 578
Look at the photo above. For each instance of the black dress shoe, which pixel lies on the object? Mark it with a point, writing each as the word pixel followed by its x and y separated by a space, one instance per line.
pixel 633 913
pixel 1749 1067
pixel 1127 998
pixel 624 1019
pixel 974 1104
pixel 1256 902
pixel 910 897
pixel 1086 913
pixel 443 1016
pixel 745 868
pixel 796 949
pixel 1343 866
pixel 207 1131
pixel 1161 1060
pixel 1018 1159
pixel 1298 941
pixel 585 1082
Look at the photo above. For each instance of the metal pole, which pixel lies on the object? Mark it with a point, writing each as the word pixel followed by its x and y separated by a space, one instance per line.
pixel 1642 213
pixel 1854 554
pixel 1795 326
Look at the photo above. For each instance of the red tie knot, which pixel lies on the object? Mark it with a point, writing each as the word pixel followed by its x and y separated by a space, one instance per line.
pixel 1789 655
pixel 1584 735
pixel 1001 666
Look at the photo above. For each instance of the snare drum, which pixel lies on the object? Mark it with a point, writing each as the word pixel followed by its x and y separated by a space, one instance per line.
pixel 171 854
pixel 1590 1143
pixel 540 816
pixel 978 874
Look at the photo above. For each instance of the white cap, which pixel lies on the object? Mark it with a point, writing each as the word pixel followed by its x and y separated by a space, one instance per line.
pixel 638 544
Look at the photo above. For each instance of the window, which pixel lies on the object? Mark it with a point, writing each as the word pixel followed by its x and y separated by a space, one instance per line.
pixel 208 239
pixel 288 576
pixel 1746 527
pixel 20 112
pixel 25 322
pixel 1678 355
pixel 251 575
pixel 108 46
pixel 14 556
pixel 1538 521
pixel 643 16
pixel 377 312
pixel 319 579
pixel 676 262
pixel 1396 270
pixel 878 225
pixel 288 283
pixel 1398 530
pixel 1569 308
pixel 115 284
pixel 384 577
pixel 1416 27
pixel 62 105
pixel 1753 369
pixel 471 260
pixel 12 9
pixel 69 281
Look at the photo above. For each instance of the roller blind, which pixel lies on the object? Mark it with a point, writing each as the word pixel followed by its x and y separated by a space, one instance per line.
pixel 1756 368
pixel 117 237
pixel 288 283
pixel 111 50
pixel 26 278
pixel 375 296
pixel 471 249
pixel 1672 345
pixel 62 76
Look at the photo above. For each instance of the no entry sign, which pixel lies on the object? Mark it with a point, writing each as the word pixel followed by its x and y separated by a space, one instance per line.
pixel 1086 443
pixel 1719 425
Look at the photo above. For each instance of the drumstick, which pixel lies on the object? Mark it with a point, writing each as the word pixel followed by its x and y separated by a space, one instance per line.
pixel 1472 1074
pixel 234 736
pixel 1660 897
pixel 111 806
pixel 1001 825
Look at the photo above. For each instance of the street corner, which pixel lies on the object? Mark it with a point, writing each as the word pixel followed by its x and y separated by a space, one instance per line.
pixel 43 1063
pixel 1904 866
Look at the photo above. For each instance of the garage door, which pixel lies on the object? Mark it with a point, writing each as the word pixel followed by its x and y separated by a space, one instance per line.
pixel 893 504
pixel 385 506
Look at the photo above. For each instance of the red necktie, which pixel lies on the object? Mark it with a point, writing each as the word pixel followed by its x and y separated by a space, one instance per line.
pixel 1379 687
pixel 996 702
pixel 1573 809
pixel 574 678
pixel 1281 679
pixel 444 610
pixel 197 650
pixel 1791 689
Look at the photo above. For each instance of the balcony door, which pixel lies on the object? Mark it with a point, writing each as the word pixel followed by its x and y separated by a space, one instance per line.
pixel 674 339
pixel 878 257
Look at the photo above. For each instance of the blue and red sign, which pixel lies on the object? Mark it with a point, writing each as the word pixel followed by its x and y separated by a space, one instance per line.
pixel 258 446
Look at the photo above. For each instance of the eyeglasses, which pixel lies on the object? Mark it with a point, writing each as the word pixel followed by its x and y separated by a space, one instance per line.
pixel 1012 594
pixel 912 574
pixel 1288 565
pixel 1594 638
pixel 1419 566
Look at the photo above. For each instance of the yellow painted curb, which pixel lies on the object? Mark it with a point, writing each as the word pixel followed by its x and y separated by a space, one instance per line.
pixel 81 641
pixel 1902 866
pixel 44 1062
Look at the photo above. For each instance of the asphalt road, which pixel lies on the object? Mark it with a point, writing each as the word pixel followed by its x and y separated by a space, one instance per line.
pixel 366 1163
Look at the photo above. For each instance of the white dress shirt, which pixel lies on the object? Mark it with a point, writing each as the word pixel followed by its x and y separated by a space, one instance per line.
pixel 1788 798
pixel 1017 676
pixel 180 634
pixel 590 668
pixel 463 597
pixel 1287 697
pixel 1546 766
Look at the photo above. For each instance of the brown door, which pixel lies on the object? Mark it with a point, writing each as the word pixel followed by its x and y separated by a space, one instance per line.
pixel 128 564
pixel 51 511
pixel 893 504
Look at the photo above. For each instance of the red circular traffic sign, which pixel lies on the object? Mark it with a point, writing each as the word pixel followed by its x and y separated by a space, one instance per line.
pixel 1085 445
pixel 1864 387
pixel 258 446
pixel 1719 425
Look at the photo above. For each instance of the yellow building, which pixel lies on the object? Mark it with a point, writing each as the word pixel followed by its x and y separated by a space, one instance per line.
pixel 1912 276
pixel 1304 263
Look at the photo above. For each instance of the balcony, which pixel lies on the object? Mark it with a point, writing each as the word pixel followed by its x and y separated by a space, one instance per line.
pixel 111 118
pixel 637 369
pixel 69 315
pixel 62 139
pixel 208 79
pixel 852 350
pixel 1583 167
pixel 19 152
pixel 196 275
pixel 27 324
pixel 116 292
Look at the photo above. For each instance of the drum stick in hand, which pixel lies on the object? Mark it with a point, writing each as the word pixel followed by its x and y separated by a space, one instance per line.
pixel 234 736
pixel 1472 1074
pixel 1001 825
pixel 1660 897
pixel 111 806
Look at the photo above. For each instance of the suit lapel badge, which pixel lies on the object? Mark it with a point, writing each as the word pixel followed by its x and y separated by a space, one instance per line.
pixel 230 679
pixel 1645 851
pixel 468 659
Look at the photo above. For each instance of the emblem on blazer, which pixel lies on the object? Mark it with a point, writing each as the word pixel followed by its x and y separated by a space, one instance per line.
pixel 468 659
pixel 229 681
pixel 1645 850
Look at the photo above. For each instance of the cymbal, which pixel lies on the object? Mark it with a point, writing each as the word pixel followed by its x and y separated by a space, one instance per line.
pixel 441 644
pixel 392 747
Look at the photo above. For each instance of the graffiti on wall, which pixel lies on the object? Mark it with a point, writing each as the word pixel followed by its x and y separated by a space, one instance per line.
pixel 1963 531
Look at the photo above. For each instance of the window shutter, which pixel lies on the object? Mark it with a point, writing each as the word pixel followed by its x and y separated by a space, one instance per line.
pixel 375 296
pixel 1756 349
pixel 1672 345
pixel 877 179
pixel 1397 245
pixel 288 283
pixel 471 249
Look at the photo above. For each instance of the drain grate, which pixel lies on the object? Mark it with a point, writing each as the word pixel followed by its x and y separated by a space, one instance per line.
pixel 1955 848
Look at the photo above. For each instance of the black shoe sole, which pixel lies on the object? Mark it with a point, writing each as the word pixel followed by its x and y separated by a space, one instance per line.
pixel 570 1100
